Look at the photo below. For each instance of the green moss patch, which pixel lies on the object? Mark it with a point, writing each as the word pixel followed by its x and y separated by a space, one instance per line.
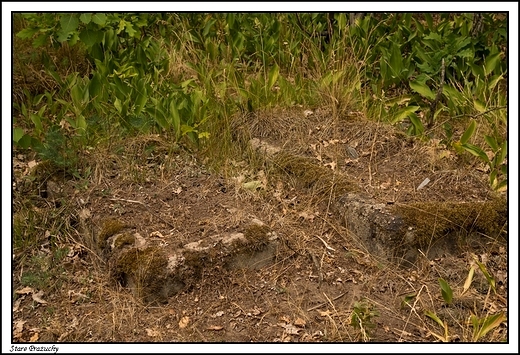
pixel 433 220
pixel 144 271
pixel 312 175
pixel 110 228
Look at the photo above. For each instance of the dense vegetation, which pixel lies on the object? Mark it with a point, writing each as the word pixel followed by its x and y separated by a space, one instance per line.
pixel 87 80
pixel 186 75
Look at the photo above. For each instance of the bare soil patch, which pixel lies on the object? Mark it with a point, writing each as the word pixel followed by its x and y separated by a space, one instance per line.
pixel 321 284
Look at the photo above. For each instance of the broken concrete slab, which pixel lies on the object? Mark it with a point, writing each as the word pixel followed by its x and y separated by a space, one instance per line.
pixel 405 231
pixel 401 231
pixel 156 271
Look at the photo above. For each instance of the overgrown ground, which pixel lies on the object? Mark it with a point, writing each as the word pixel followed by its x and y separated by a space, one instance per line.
pixel 321 276
pixel 322 284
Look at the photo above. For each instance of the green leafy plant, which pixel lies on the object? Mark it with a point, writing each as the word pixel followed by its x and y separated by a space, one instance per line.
pixel 445 337
pixel 362 318
pixel 482 326
pixel 446 291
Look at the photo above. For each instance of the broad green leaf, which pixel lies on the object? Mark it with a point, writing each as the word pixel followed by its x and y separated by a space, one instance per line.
pixel 176 118
pixel 26 141
pixel 17 134
pixel 208 26
pixel 489 278
pixel 469 132
pixel 479 106
pixel 24 110
pixel 404 113
pixel 273 76
pixel 85 18
pixel 63 35
pixel 77 95
pixel 443 325
pixel 27 33
pixel 493 178
pixel 502 186
pixel 433 39
pixel 95 86
pixel 89 37
pixel 482 326
pixel 69 23
pixel 37 122
pixel 81 122
pixel 429 20
pixel 492 142
pixel 502 154
pixel 117 105
pixel 494 81
pixel 435 318
pixel 477 70
pixel 99 19
pixel 422 89
pixel 342 21
pixel 186 83
pixel 185 129
pixel 158 115
pixel 446 291
pixel 142 98
pixel 396 61
pixel 129 28
pixel 40 40
pixel 418 127
pixel 491 63
pixel 476 151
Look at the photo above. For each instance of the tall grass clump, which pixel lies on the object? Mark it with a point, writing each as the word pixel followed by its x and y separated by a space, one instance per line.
pixel 189 75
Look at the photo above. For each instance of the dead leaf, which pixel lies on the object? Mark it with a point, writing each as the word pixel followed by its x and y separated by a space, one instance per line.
pixel 218 314
pixel 84 214
pixel 65 125
pixel 285 319
pixel 300 323
pixel 215 327
pixel 18 329
pixel 16 304
pixel 34 337
pixel 157 234
pixel 32 164
pixel 152 333
pixel 325 313
pixel 24 291
pixel 183 323
pixel 291 329
pixel 38 297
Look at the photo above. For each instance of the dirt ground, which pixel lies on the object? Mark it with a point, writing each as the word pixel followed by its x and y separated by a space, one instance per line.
pixel 322 285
